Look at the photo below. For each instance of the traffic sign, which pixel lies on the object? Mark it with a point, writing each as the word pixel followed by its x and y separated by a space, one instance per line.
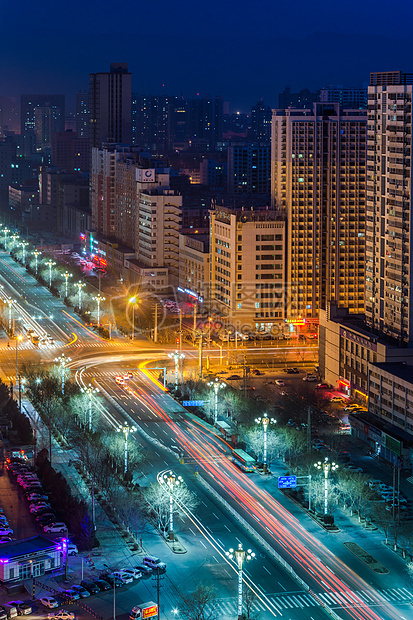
pixel 287 482
pixel 193 403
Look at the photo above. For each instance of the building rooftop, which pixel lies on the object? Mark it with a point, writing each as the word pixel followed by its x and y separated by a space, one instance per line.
pixel 382 425
pixel 26 545
pixel 401 370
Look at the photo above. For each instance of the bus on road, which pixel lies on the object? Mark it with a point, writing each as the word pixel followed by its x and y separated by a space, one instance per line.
pixel 244 461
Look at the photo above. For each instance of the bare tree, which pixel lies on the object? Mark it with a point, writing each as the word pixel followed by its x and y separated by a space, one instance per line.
pixel 201 604
pixel 255 439
pixel 157 499
pixel 382 517
pixel 249 598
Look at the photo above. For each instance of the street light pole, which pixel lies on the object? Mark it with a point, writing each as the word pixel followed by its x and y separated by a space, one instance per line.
pixel 6 231
pixel 80 285
pixel 62 360
pixel 240 555
pixel 126 430
pixel 216 386
pixel 18 338
pixel 326 466
pixel 51 264
pixel 172 481
pixel 133 301
pixel 10 302
pixel 66 275
pixel 98 300
pixel 176 356
pixel 23 245
pixel 90 390
pixel 36 253
pixel 265 421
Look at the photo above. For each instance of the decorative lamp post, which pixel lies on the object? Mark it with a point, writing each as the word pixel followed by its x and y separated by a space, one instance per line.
pixel 62 361
pixel 23 245
pixel 240 555
pixel 10 302
pixel 36 253
pixel 15 237
pixel 126 430
pixel 6 231
pixel 98 299
pixel 265 421
pixel 90 390
pixel 51 264
pixel 171 481
pixel 133 301
pixel 216 386
pixel 176 356
pixel 326 466
pixel 66 276
pixel 80 285
pixel 18 338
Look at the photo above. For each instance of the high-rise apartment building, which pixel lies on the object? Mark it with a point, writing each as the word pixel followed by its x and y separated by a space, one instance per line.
pixel 318 180
pixel 249 169
pixel 110 97
pixel 82 114
pixel 247 272
pixel 261 115
pixel 54 107
pixel 353 98
pixel 389 250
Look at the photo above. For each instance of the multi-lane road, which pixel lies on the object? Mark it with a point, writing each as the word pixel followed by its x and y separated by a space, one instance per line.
pixel 344 586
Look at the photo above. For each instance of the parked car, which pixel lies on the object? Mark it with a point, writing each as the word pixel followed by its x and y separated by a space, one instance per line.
pixel 353 407
pixel 36 497
pixel 291 371
pixel 146 571
pixel 37 508
pixel 358 470
pixel 110 578
pixel 279 382
pixel 49 601
pixel 83 592
pixel 90 586
pixel 23 609
pixel 72 549
pixel 310 378
pixel 46 518
pixel 234 378
pixel 336 399
pixel 102 584
pixel 133 572
pixel 6 530
pixel 322 386
pixel 124 576
pixel 53 528
pixel 11 610
pixel 70 593
pixel 154 563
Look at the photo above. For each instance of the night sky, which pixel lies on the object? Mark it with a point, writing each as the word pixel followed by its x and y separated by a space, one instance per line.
pixel 242 51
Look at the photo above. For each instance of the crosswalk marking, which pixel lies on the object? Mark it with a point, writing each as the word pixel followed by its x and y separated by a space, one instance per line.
pixel 303 600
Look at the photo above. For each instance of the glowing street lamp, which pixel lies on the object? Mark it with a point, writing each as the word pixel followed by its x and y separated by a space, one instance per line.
pixel 216 386
pixel 176 356
pixel 90 390
pixel 265 421
pixel 80 285
pixel 240 556
pixel 10 302
pixel 133 301
pixel 36 253
pixel 326 466
pixel 23 245
pixel 126 430
pixel 15 237
pixel 98 299
pixel 6 231
pixel 62 361
pixel 51 264
pixel 18 339
pixel 171 481
pixel 66 275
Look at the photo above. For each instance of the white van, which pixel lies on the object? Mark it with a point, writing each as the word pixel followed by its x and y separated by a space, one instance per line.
pixel 154 563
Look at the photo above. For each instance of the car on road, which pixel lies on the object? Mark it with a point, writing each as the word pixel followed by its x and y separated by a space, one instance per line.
pixel 49 601
pixel 322 386
pixel 62 614
pixel 102 584
pixel 279 382
pixel 336 399
pixel 354 468
pixel 233 378
pixel 120 380
pixel 310 378
pixel 54 528
pixel 23 609
pixel 90 586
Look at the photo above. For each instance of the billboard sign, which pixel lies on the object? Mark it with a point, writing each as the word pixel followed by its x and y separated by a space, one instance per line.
pixel 145 175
